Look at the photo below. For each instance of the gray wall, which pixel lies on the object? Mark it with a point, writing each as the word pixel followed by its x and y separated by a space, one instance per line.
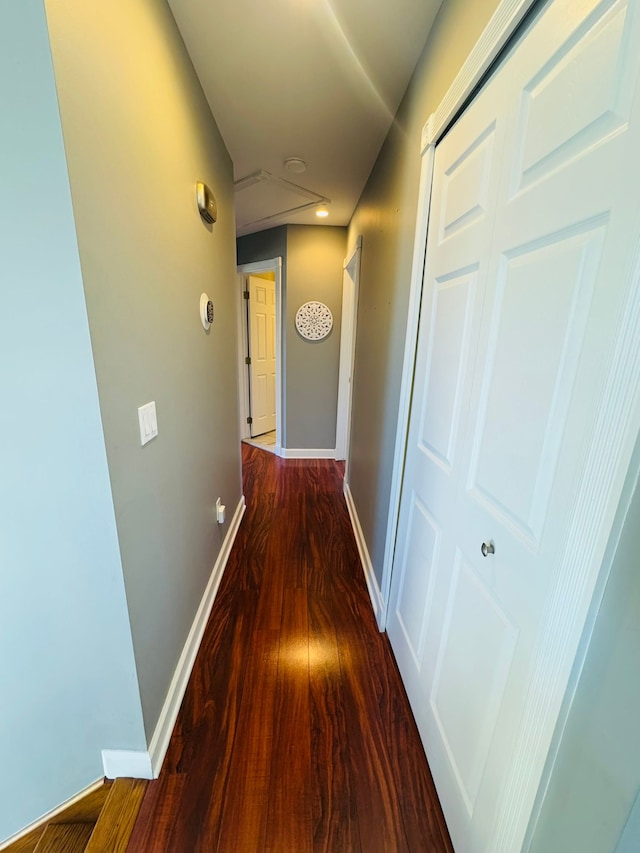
pixel 385 216
pixel 315 254
pixel 263 246
pixel 592 803
pixel 138 134
pixel 67 672
pixel 312 270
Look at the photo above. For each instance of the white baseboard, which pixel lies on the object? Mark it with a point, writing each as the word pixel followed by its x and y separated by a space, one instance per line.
pixel 128 763
pixel 49 816
pixel 142 764
pixel 369 575
pixel 168 715
pixel 303 453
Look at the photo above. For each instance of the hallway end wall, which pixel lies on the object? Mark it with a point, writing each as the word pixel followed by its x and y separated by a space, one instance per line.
pixel 312 259
pixel 315 255
pixel 138 134
pixel 386 218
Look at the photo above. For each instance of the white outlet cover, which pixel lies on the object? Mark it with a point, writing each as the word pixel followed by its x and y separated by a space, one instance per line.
pixel 148 422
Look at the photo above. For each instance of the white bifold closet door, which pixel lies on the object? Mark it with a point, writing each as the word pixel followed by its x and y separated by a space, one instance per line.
pixel 532 256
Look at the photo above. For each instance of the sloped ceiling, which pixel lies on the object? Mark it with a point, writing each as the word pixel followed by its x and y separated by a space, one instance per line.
pixel 316 79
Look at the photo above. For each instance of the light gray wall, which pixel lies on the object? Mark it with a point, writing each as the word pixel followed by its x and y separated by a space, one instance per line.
pixel 313 256
pixel 138 134
pixel 67 672
pixel 385 216
pixel 592 803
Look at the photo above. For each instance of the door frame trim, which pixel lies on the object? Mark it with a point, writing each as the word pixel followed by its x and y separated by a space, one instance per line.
pixel 348 330
pixel 273 265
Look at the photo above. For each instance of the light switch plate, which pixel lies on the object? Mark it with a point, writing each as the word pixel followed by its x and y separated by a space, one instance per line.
pixel 148 421
pixel 220 512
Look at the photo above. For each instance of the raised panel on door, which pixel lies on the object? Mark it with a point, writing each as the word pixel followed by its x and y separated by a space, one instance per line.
pixel 424 540
pixel 554 125
pixel 476 650
pixel 447 360
pixel 466 185
pixel 535 334
pixel 261 338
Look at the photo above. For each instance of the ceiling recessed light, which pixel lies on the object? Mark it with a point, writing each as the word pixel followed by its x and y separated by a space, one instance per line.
pixel 322 212
pixel 295 165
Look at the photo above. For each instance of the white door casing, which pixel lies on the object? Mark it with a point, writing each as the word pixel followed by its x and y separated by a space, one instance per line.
pixel 262 354
pixel 525 407
pixel 350 283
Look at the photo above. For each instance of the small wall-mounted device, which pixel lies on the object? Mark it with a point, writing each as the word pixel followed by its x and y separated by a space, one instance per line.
pixel 221 511
pixel 206 203
pixel 206 311
pixel 148 422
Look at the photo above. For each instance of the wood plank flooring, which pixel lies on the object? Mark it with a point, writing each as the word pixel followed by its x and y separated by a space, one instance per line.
pixel 85 810
pixel 69 837
pixel 117 819
pixel 295 733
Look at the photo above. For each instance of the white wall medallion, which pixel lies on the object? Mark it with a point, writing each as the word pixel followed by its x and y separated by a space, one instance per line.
pixel 314 321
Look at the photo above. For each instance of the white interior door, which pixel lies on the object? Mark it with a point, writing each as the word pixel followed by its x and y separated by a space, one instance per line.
pixel 533 231
pixel 262 354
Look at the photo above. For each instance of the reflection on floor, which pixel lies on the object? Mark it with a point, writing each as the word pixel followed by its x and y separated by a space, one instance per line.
pixel 295 734
pixel 267 441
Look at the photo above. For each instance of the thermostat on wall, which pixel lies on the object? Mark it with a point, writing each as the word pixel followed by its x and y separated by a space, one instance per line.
pixel 206 203
pixel 206 311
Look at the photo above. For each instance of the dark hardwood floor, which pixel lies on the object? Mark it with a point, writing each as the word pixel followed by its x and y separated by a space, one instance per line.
pixel 295 733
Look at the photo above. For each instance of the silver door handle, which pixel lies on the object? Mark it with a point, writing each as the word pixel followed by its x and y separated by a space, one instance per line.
pixel 487 548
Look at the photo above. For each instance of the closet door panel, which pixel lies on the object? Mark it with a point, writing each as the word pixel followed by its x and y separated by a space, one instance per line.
pixel 533 231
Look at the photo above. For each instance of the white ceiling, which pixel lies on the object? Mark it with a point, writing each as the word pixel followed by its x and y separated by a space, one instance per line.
pixel 315 79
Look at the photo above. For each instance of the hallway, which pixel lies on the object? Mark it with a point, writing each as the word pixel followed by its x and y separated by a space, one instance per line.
pixel 295 733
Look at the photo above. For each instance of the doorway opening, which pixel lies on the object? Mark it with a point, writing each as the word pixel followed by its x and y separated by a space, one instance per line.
pixel 260 353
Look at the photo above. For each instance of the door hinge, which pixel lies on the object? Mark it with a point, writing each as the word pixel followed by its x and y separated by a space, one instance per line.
pixel 246 294
pixel 249 420
pixel 247 360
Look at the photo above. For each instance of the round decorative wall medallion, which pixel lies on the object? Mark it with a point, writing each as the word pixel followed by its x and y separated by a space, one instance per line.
pixel 314 321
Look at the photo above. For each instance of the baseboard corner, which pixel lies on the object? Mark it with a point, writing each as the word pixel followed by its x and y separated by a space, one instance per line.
pixel 127 763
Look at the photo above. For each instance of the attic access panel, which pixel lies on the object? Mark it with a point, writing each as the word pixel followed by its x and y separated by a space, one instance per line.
pixel 263 200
